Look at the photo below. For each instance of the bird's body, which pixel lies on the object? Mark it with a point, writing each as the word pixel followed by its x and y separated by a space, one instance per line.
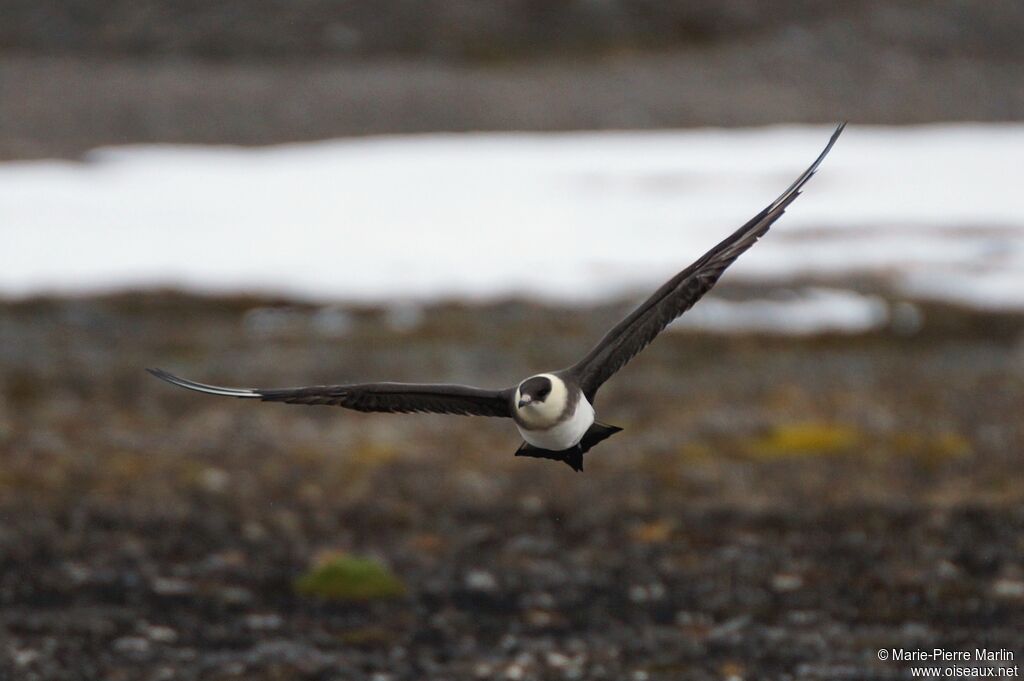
pixel 557 422
pixel 553 411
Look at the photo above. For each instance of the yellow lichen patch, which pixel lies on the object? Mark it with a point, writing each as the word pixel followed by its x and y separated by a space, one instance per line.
pixel 732 670
pixel 372 454
pixel 951 445
pixel 932 447
pixel 695 450
pixel 121 471
pixel 308 454
pixel 356 470
pixel 805 439
pixel 343 577
pixel 656 532
pixel 367 637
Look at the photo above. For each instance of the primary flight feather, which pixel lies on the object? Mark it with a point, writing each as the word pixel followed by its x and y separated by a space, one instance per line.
pixel 554 411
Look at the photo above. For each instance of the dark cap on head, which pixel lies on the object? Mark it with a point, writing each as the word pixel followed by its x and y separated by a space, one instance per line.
pixel 537 387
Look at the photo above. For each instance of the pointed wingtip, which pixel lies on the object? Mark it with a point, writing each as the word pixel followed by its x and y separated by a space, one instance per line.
pixel 164 376
pixel 794 189
pixel 158 373
pixel 202 387
pixel 828 147
pixel 835 135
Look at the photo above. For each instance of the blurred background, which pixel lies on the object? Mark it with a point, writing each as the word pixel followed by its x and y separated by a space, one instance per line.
pixel 820 460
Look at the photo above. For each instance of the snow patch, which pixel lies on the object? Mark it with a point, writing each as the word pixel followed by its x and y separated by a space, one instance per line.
pixel 936 210
pixel 808 312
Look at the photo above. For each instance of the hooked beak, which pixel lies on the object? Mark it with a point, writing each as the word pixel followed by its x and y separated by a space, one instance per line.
pixel 524 400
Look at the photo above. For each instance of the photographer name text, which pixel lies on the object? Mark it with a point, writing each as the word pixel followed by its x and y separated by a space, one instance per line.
pixel 944 655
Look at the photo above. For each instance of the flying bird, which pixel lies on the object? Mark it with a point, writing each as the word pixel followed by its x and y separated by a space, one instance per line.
pixel 554 412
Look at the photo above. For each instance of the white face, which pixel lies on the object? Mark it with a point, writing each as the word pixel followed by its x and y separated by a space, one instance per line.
pixel 541 403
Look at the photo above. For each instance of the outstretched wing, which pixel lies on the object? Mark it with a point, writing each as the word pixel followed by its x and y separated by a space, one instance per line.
pixel 381 397
pixel 636 331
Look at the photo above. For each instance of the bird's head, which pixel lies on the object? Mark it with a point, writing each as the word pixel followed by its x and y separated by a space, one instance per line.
pixel 541 400
pixel 533 392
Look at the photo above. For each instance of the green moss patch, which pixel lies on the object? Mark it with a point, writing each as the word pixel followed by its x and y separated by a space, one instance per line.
pixel 350 578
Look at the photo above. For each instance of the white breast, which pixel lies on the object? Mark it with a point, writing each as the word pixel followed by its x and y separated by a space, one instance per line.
pixel 562 435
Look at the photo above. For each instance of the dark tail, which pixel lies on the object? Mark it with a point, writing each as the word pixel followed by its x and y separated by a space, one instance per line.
pixel 572 457
pixel 597 433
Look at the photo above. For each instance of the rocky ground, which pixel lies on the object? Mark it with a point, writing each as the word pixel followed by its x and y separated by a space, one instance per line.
pixel 774 509
pixel 64 107
pixel 77 75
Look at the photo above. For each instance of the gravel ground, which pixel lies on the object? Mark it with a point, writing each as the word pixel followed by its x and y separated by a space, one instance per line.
pixel 63 106
pixel 77 75
pixel 775 508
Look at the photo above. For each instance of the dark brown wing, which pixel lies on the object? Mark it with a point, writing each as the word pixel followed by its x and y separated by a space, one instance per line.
pixel 381 397
pixel 636 331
